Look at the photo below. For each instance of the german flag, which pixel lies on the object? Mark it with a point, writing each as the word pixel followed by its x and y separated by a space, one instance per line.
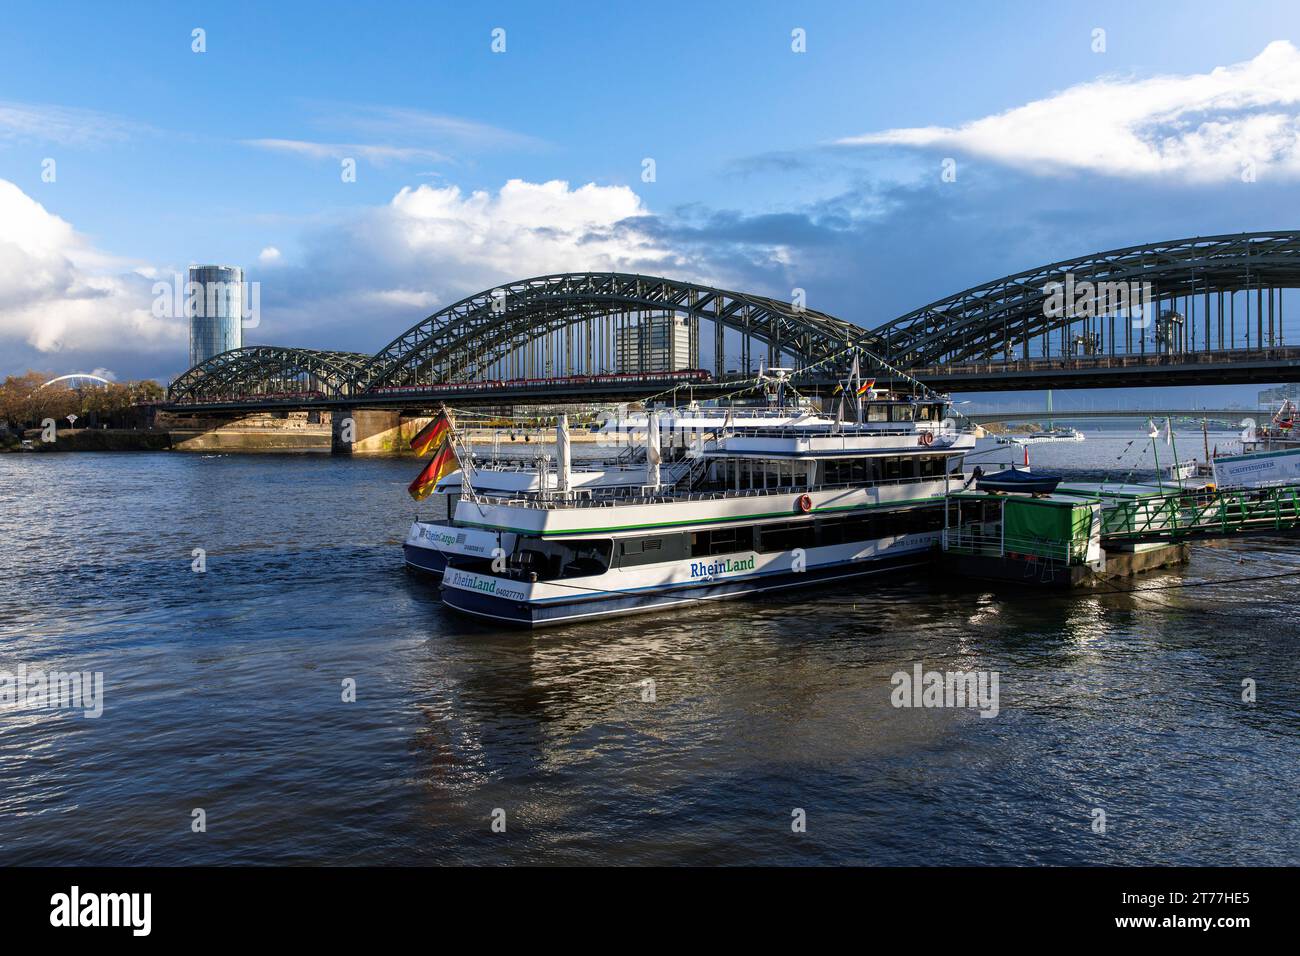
pixel 432 434
pixel 866 386
pixel 440 465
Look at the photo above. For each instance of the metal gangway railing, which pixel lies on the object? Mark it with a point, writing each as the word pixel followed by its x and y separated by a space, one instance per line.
pixel 1203 513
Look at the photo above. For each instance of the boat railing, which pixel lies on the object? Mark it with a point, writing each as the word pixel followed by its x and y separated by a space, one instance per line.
pixel 649 494
pixel 851 429
pixel 981 539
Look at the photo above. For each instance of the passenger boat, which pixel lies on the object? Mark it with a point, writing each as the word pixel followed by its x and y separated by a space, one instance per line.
pixel 429 541
pixel 756 509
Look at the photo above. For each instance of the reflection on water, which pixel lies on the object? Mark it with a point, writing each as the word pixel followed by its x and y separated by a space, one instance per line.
pixel 223 691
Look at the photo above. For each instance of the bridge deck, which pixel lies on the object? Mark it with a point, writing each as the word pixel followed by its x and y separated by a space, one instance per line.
pixel 1218 367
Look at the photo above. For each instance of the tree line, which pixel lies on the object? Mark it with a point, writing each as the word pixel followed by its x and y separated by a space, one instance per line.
pixel 25 401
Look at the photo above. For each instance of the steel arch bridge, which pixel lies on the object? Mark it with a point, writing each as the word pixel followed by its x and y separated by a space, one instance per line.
pixel 997 335
pixel 1009 315
pixel 596 322
pixel 271 373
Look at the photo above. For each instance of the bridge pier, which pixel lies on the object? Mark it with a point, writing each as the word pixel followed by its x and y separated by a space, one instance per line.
pixel 370 431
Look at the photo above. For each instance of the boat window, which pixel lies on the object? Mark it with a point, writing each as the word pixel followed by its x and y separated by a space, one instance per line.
pixel 902 413
pixel 892 470
pixel 878 413
pixel 829 531
pixel 873 526
pixel 786 536
pixel 550 560
pixel 931 466
pixel 722 541
pixel 864 527
pixel 850 471
pixel 653 549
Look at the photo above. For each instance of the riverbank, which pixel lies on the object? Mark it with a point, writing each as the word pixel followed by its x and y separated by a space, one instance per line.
pixel 93 439
pixel 253 440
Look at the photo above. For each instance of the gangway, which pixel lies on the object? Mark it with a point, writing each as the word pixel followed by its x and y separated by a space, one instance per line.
pixel 1083 533
pixel 1200 513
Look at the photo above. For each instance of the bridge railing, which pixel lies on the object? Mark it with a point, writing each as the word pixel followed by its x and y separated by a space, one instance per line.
pixel 1069 363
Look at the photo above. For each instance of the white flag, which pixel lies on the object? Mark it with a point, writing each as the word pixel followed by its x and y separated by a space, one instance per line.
pixel 1169 431
pixel 562 454
pixel 1152 430
pixel 652 456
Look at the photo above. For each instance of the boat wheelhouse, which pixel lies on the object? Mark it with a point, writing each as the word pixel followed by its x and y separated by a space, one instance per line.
pixel 761 508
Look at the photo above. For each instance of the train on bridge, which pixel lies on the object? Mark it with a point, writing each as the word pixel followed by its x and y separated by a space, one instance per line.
pixel 692 376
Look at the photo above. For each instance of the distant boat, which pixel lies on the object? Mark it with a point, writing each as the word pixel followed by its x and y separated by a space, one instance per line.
pixel 1059 433
pixel 1012 479
pixel 1262 469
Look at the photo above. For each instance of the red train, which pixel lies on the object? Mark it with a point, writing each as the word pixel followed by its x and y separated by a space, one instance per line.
pixel 254 397
pixel 690 376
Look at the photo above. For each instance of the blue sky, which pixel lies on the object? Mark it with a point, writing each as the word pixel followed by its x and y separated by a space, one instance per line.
pixel 165 156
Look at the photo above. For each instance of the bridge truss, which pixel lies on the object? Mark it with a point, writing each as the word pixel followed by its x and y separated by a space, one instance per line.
pixel 269 372
pixel 599 322
pixel 1209 293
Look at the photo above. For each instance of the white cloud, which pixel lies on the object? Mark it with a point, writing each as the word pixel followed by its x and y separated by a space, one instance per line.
pixel 269 255
pixel 61 124
pixel 394 134
pixel 471 242
pixel 405 123
pixel 1196 127
pixel 368 277
pixel 375 153
pixel 55 294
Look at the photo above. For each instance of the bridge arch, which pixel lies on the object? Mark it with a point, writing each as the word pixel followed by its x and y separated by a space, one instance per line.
pixel 267 371
pixel 574 322
pixel 998 319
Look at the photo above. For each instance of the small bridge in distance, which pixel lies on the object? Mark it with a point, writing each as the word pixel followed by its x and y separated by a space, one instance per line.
pixel 1233 415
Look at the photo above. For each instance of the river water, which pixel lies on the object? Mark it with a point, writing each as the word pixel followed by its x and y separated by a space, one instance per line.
pixel 223 692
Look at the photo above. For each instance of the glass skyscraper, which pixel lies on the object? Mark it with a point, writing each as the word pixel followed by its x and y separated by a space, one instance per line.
pixel 215 300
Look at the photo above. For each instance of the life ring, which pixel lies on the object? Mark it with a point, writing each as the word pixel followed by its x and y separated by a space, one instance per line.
pixel 927 438
pixel 804 504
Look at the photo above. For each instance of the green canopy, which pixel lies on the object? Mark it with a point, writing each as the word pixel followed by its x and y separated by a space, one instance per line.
pixel 1046 527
